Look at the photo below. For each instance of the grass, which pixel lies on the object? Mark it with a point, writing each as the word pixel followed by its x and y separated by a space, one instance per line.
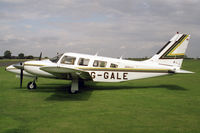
pixel 168 104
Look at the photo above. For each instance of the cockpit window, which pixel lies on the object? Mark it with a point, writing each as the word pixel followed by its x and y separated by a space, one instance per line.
pixel 99 63
pixel 68 60
pixel 83 62
pixel 56 58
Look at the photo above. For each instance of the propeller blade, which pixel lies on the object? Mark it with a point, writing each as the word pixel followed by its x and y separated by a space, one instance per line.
pixel 40 56
pixel 21 67
pixel 21 78
pixel 21 73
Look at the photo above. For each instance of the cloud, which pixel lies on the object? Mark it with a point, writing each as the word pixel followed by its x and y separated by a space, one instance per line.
pixel 114 28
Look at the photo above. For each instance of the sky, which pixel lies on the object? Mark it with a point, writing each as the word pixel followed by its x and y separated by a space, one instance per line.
pixel 113 28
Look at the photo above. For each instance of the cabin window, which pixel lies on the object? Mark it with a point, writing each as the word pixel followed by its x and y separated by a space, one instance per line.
pixel 99 63
pixel 68 60
pixel 83 62
pixel 113 65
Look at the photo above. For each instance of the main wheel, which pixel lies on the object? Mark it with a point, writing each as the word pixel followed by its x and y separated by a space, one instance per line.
pixel 31 85
pixel 81 83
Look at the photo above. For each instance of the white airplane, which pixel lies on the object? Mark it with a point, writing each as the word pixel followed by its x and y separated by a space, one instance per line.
pixel 82 67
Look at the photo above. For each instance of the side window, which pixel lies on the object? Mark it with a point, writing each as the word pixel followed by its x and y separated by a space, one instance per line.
pixel 99 63
pixel 68 60
pixel 113 65
pixel 83 62
pixel 103 64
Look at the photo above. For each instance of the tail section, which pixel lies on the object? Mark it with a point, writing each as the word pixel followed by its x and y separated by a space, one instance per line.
pixel 173 52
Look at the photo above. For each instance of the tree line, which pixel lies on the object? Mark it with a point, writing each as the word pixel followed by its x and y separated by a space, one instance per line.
pixel 8 55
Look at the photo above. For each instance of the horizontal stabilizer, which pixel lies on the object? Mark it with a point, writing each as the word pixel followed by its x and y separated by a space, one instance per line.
pixel 183 71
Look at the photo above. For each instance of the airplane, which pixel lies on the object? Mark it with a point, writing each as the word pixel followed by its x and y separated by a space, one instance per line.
pixel 82 67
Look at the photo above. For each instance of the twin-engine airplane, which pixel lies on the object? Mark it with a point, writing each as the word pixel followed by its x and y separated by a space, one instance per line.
pixel 82 67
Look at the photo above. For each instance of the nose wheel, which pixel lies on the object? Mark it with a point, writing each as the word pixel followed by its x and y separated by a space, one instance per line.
pixel 31 85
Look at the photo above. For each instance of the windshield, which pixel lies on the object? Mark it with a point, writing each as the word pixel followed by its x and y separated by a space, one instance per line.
pixel 56 58
pixel 68 60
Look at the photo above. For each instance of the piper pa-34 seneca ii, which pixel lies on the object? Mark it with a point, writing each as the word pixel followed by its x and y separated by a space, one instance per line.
pixel 82 67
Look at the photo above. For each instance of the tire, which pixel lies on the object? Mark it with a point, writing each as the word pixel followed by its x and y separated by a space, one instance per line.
pixel 31 85
pixel 81 83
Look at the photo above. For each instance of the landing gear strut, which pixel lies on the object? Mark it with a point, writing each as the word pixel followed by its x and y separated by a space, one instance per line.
pixel 32 85
pixel 76 83
pixel 74 87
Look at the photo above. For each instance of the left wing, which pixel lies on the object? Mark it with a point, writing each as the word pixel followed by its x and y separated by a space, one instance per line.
pixel 62 71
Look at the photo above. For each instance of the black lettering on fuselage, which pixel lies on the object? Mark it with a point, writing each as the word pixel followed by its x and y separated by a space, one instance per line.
pixel 125 76
pixel 118 76
pixel 93 75
pixel 106 75
pixel 112 76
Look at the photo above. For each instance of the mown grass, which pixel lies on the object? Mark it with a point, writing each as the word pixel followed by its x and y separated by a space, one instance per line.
pixel 168 104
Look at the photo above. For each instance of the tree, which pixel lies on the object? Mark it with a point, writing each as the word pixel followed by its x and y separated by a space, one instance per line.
pixel 21 56
pixel 29 57
pixel 7 54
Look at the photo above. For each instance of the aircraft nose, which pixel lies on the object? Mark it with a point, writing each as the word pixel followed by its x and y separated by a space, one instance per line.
pixel 9 68
pixel 19 65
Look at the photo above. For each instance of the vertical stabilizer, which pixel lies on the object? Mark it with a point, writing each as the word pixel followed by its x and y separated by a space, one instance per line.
pixel 173 52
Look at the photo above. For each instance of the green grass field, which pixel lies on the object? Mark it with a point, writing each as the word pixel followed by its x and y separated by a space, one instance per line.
pixel 168 104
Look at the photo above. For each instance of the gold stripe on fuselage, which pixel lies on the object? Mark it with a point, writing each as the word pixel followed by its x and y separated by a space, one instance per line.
pixel 125 69
pixel 33 65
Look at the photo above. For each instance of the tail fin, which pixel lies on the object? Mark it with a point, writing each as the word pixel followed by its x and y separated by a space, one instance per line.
pixel 173 52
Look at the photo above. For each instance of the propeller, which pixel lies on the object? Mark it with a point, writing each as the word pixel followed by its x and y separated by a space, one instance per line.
pixel 40 57
pixel 21 77
pixel 21 67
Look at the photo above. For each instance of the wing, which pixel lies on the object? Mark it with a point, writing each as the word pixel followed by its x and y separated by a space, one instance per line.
pixel 63 72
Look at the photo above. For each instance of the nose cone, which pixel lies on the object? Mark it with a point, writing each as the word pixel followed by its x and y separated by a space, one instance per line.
pixel 19 66
pixel 10 68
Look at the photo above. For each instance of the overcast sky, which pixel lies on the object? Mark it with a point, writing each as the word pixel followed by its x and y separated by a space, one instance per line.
pixel 114 28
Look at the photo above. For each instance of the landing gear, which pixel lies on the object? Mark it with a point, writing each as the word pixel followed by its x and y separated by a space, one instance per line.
pixel 31 85
pixel 76 83
pixel 74 87
pixel 81 83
